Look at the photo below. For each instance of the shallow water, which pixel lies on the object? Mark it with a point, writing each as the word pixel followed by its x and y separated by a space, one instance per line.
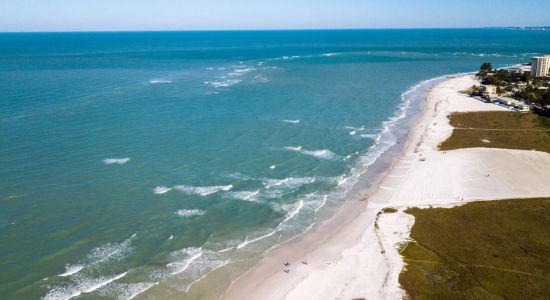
pixel 131 159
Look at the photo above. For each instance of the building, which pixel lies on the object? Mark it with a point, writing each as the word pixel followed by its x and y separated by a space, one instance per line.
pixel 489 90
pixel 540 66
pixel 513 103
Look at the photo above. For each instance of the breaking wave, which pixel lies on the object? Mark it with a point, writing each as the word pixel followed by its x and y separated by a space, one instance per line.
pixel 178 267
pixel 322 154
pixel 289 216
pixel 84 286
pixel 193 190
pixel 202 191
pixel 222 83
pixel 79 278
pixel 71 269
pixel 190 212
pixel 159 81
pixel 118 161
pixel 244 195
pixel 161 190
pixel 287 183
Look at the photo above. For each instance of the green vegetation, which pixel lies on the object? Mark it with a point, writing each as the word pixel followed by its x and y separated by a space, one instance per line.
pixel 486 67
pixel 515 83
pixel 509 130
pixel 482 250
pixel 471 90
pixel 389 210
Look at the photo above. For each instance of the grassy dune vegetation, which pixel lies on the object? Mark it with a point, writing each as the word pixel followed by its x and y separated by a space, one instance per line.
pixel 481 250
pixel 512 130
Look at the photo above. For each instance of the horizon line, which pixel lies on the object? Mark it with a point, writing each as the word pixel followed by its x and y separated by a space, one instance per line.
pixel 273 29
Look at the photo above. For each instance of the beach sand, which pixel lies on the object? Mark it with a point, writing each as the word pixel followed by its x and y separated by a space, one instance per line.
pixel 349 257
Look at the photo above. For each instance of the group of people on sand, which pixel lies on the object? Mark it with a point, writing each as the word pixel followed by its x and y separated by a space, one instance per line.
pixel 287 266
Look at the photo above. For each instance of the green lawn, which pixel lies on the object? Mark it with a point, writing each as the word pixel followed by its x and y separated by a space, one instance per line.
pixel 481 250
pixel 512 130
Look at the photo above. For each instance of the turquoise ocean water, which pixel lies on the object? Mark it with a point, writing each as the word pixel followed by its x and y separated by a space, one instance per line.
pixel 134 164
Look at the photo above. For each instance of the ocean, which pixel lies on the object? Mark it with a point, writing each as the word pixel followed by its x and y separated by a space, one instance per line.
pixel 147 164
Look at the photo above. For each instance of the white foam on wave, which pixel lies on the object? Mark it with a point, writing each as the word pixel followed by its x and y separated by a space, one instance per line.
pixel 71 269
pixel 226 262
pixel 369 136
pixel 186 213
pixel 244 195
pixel 134 290
pixel 287 183
pixel 260 78
pixel 322 204
pixel 85 286
pixel 241 71
pixel 279 227
pixel 191 255
pixel 222 83
pixel 322 154
pixel 238 176
pixel 203 191
pixel 292 121
pixel 101 255
pixel 225 250
pixel 355 128
pixel 118 161
pixel 330 54
pixel 161 190
pixel 159 81
pixel 102 283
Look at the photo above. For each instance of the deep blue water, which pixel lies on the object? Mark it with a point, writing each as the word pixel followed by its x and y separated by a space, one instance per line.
pixel 129 159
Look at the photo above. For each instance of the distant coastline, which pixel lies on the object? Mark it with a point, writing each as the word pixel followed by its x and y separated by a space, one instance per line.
pixel 538 28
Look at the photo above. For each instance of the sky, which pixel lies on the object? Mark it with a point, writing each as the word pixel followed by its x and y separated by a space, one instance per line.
pixel 123 15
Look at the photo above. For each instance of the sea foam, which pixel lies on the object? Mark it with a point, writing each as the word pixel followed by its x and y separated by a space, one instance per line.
pixel 71 269
pixel 322 154
pixel 84 286
pixel 202 191
pixel 191 254
pixel 161 190
pixel 297 207
pixel 190 212
pixel 222 83
pixel 287 183
pixel 118 161
pixel 159 81
pixel 244 195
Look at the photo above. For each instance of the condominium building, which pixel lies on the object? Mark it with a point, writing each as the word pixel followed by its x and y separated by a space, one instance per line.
pixel 489 90
pixel 540 66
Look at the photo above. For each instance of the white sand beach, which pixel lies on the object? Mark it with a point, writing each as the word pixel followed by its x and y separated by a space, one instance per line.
pixel 349 257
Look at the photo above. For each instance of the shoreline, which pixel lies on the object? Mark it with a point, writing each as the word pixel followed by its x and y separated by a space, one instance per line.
pixel 354 254
pixel 295 250
pixel 353 214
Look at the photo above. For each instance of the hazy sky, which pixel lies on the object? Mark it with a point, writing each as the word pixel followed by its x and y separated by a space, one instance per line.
pixel 77 15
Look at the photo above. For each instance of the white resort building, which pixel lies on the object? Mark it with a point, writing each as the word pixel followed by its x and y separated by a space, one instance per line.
pixel 540 66
pixel 489 90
